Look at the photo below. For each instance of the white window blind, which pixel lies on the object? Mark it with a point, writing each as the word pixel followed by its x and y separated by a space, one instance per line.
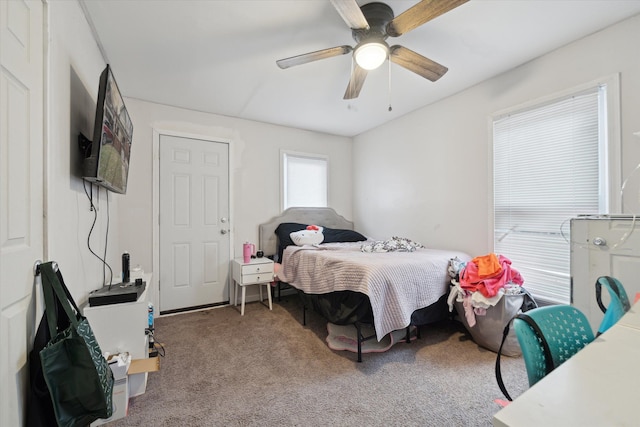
pixel 304 180
pixel 547 169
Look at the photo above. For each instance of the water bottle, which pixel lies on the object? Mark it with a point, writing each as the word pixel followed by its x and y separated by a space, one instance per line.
pixel 150 316
pixel 247 251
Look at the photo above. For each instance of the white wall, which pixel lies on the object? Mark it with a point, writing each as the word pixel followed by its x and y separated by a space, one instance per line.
pixel 255 171
pixel 426 175
pixel 75 64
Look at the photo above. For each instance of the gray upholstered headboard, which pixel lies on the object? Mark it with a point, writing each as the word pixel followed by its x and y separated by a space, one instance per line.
pixel 326 217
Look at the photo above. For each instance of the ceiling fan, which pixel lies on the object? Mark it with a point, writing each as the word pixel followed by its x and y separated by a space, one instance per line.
pixel 371 24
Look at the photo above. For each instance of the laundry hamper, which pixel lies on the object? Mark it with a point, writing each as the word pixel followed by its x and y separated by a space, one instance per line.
pixel 488 330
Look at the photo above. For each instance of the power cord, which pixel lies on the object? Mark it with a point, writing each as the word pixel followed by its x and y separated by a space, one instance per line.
pixel 159 348
pixel 155 348
pixel 95 218
pixel 106 241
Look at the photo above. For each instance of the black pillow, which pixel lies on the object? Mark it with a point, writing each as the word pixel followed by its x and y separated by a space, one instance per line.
pixel 335 235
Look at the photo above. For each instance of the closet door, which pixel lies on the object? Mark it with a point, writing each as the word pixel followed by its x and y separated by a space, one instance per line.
pixel 21 195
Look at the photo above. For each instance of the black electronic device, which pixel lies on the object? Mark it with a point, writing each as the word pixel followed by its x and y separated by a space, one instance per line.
pixel 106 158
pixel 125 267
pixel 116 293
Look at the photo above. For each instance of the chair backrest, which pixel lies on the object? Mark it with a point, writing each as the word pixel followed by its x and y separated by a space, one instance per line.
pixel 565 329
pixel 618 305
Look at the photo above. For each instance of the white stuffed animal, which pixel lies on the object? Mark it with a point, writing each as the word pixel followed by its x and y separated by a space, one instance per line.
pixel 311 236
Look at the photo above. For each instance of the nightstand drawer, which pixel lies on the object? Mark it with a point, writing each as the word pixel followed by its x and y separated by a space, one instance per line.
pixel 266 267
pixel 248 279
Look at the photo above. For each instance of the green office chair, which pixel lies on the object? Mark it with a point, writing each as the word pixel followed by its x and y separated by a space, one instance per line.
pixel 548 336
pixel 556 334
pixel 618 305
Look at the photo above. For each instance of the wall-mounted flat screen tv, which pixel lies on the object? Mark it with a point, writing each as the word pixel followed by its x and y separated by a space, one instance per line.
pixel 108 162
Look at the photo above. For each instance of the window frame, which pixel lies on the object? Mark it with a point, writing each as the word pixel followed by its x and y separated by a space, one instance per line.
pixel 612 159
pixel 609 155
pixel 299 154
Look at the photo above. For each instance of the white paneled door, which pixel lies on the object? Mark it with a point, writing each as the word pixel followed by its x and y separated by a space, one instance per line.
pixel 21 195
pixel 194 223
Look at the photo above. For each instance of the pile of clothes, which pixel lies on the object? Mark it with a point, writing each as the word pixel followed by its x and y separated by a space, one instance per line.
pixel 480 283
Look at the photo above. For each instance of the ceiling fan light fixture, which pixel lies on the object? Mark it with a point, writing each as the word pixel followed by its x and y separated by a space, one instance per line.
pixel 371 55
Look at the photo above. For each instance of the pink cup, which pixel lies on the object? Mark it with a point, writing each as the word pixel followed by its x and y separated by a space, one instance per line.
pixel 247 251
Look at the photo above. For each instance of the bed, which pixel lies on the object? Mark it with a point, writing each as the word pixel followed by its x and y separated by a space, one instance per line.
pixel 390 291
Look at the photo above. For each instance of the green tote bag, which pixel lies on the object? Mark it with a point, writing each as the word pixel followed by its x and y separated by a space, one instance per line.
pixel 78 377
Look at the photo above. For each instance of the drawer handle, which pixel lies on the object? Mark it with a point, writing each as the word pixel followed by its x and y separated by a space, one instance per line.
pixel 258 269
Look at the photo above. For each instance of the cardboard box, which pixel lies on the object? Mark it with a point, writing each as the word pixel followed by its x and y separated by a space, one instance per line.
pixel 138 366
pixel 138 372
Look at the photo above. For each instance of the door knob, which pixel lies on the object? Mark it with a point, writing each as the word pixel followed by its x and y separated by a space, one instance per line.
pixel 599 241
pixel 223 231
pixel 223 220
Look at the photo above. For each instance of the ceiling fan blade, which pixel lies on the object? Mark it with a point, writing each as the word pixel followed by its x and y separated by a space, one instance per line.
pixel 313 56
pixel 417 15
pixel 417 63
pixel 351 13
pixel 358 74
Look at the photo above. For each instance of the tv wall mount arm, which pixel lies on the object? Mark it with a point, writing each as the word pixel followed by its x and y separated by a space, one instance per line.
pixel 84 144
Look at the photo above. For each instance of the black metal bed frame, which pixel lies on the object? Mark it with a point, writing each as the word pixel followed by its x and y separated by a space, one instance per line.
pixel 360 337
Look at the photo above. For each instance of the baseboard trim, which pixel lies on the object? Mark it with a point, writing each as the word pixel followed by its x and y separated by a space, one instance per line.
pixel 193 308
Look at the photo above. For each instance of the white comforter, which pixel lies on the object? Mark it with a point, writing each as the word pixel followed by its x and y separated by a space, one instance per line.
pixel 397 283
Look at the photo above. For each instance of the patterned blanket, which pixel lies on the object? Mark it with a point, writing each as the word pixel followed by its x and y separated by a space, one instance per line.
pixel 397 283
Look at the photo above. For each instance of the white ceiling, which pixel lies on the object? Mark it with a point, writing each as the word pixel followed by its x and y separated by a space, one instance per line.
pixel 220 56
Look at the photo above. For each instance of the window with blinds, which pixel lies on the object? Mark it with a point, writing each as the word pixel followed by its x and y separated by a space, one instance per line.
pixel 549 165
pixel 304 180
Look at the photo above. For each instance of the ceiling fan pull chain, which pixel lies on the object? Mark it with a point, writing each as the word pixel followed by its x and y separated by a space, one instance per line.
pixel 390 86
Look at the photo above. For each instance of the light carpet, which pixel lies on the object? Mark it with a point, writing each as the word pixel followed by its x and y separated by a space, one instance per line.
pixel 266 369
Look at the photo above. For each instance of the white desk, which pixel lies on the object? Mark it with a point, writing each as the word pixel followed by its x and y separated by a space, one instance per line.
pixel 632 318
pixel 596 387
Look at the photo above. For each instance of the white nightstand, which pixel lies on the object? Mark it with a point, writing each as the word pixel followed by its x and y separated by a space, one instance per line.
pixel 258 271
